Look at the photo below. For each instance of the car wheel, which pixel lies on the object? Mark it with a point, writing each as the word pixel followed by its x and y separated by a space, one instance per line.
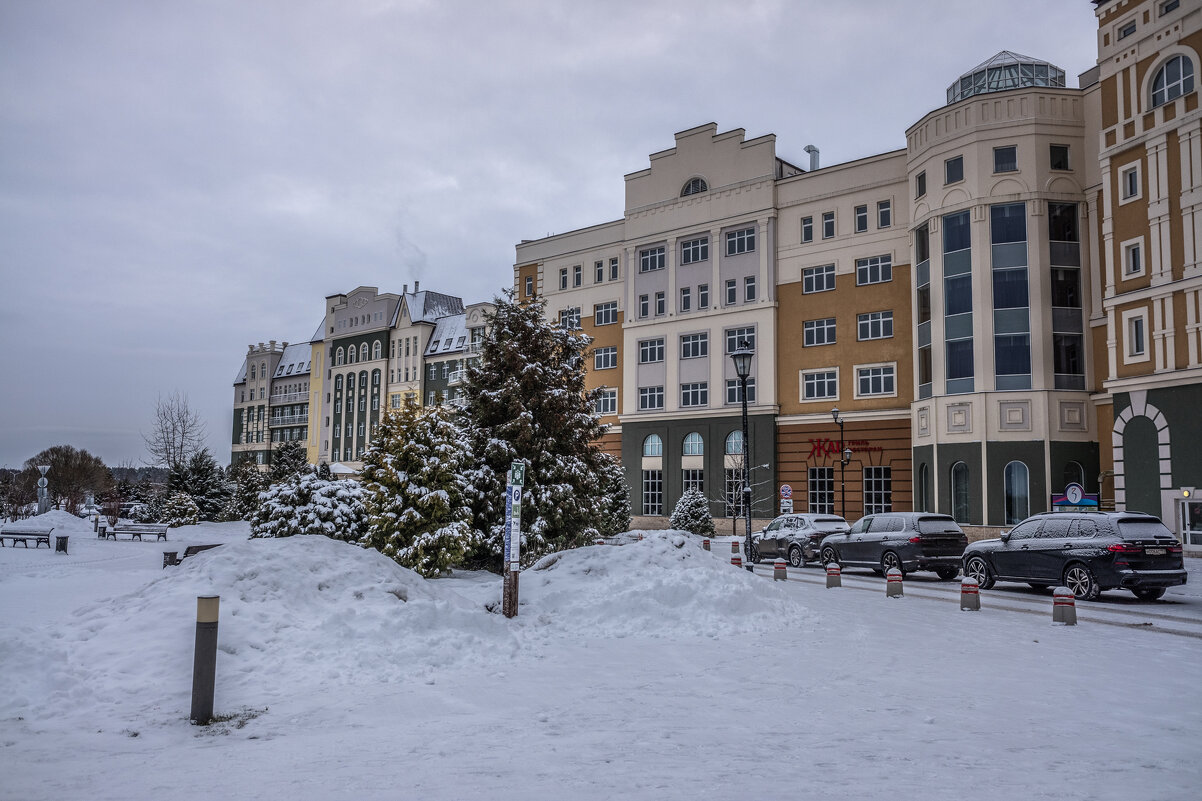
pixel 1080 579
pixel 796 557
pixel 1035 585
pixel 976 568
pixel 890 561
pixel 755 555
pixel 829 555
pixel 1150 594
pixel 947 573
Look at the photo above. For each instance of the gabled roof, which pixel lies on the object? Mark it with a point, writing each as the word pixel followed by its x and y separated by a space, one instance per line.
pixel 295 361
pixel 450 336
pixel 427 307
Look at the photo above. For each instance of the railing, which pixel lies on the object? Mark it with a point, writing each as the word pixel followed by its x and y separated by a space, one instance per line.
pixel 291 397
pixel 474 347
pixel 289 420
pixel 456 378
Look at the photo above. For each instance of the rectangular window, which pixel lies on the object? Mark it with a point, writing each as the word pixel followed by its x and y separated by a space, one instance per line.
pixel 861 219
pixel 828 224
pixel 884 214
pixel 749 289
pixel 1005 159
pixel 821 485
pixel 686 299
pixel 605 313
pixel 1136 345
pixel 807 229
pixel 733 480
pixel 577 275
pixel 651 259
pixel 732 292
pixel 920 185
pixel 875 380
pixel 959 359
pixel 1012 354
pixel 694 346
pixel 598 272
pixel 694 250
pixel 570 318
pixel 1127 30
pixel 651 351
pixel 613 269
pixel 607 402
pixel 605 358
pixel 1133 262
pixel 644 305
pixel 820 384
pixel 430 370
pixel 1130 183
pixel 692 480
pixel 819 332
pixel 563 278
pixel 651 398
pixel 1169 5
pixel 878 490
pixel 874 270
pixel 696 394
pixel 734 390
pixel 529 293
pixel 953 170
pixel 1058 156
pixel 735 336
pixel 653 492
pixel 818 279
pixel 874 325
pixel 661 305
pixel 742 241
pixel 703 296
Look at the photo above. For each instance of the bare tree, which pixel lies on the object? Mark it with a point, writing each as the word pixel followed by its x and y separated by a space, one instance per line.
pixel 177 432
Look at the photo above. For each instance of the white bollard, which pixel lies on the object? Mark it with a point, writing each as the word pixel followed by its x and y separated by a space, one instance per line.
pixel 705 543
pixel 734 546
pixel 737 561
pixel 834 575
pixel 779 571
pixel 970 595
pixel 893 583
pixel 1064 607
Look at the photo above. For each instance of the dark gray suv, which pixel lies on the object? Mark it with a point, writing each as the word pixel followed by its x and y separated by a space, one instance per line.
pixel 796 537
pixel 905 540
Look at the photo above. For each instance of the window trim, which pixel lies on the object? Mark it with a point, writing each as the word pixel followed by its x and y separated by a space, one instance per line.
pixel 1068 157
pixel 807 229
pixel 920 185
pixel 883 261
pixel 700 246
pixel 1125 248
pixel 605 308
pixel 1128 317
pixel 701 342
pixel 650 256
pixel 743 238
pixel 828 328
pixel 827 269
pixel 860 216
pixel 801 384
pixel 996 171
pixel 884 214
pixel 860 321
pixel 948 163
pixel 874 366
pixel 652 343
pixel 1123 171
pixel 829 216
pixel 610 350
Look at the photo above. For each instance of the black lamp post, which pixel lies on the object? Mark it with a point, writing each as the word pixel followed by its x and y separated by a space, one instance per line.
pixel 742 359
pixel 844 458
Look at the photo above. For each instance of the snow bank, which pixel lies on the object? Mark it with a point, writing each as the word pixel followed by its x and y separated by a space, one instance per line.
pixel 62 522
pixel 663 585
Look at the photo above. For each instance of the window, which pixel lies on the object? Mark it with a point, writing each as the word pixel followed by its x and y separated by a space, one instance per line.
pixel 605 313
pixel 821 485
pixel 694 445
pixel 252 371
pixel 861 219
pixel 1058 157
pixel 737 336
pixel 1005 159
pixel 653 492
pixel 828 224
pixel 570 318
pixel 1129 183
pixel 644 305
pixel 577 275
pixel 819 384
pixel 598 272
pixel 693 480
pixel 742 241
pixel 960 492
pixel 807 229
pixel 1018 501
pixel 920 185
pixel 734 444
pixel 1174 79
pixel 876 380
pixel 613 269
pixel 818 332
pixel 732 292
pixel 734 393
pixel 695 394
pixel 874 270
pixel 1169 5
pixel 339 357
pixel 605 358
pixel 734 492
pixel 430 371
pixel 607 402
pixel 1133 263
pixel 651 259
pixel 703 296
pixel 694 250
pixel 923 502
pixel 818 279
pixel 446 367
pixel 651 398
pixel 953 170
pixel 686 299
pixel 1136 340
pixel 878 490
pixel 694 186
pixel 651 350
pixel 1126 30
pixel 563 278
pixel 661 306
pixel 884 214
pixel 693 346
pixel 749 289
pixel 874 325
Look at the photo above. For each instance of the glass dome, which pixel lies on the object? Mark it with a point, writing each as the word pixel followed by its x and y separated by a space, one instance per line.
pixel 1005 71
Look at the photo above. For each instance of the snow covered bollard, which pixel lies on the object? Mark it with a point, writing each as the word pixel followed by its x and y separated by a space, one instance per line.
pixel 893 583
pixel 834 575
pixel 779 571
pixel 736 560
pixel 734 546
pixel 705 544
pixel 970 595
pixel 1064 607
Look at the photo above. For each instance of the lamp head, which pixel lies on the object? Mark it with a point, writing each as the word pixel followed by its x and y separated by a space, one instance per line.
pixel 835 415
pixel 742 359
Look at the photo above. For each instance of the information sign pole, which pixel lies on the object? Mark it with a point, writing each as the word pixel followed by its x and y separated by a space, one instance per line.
pixel 513 537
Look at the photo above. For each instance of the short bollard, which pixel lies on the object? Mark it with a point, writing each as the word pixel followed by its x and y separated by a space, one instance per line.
pixel 779 571
pixel 737 561
pixel 705 543
pixel 169 558
pixel 95 524
pixel 1064 607
pixel 204 663
pixel 640 537
pixel 893 583
pixel 834 576
pixel 734 546
pixel 60 544
pixel 970 595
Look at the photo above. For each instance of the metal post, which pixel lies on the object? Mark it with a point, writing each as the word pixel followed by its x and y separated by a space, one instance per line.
pixel 746 471
pixel 204 664
pixel 842 474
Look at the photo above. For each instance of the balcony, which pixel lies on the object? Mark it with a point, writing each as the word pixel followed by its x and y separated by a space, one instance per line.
pixel 291 397
pixel 456 378
pixel 288 420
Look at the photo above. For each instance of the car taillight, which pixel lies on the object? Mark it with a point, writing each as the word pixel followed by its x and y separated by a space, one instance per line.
pixel 1174 549
pixel 916 540
pixel 1123 547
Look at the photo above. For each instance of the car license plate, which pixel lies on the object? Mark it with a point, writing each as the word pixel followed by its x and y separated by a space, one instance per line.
pixel 1154 551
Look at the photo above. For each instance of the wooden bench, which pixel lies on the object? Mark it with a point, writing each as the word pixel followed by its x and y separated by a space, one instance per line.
pixel 172 557
pixel 24 534
pixel 137 531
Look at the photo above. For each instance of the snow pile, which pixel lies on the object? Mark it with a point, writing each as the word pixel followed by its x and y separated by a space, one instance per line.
pixel 664 585
pixel 63 523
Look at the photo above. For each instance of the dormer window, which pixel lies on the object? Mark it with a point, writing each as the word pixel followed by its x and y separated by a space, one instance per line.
pixel 694 186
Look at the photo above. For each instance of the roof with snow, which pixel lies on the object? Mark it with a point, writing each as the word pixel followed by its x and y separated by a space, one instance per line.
pixel 295 361
pixel 428 307
pixel 450 336
pixel 1006 70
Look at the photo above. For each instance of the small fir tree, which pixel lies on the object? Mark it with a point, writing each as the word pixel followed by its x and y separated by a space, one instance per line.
pixel 692 513
pixel 180 510
pixel 249 481
pixel 289 459
pixel 304 504
pixel 206 485
pixel 615 499
pixel 323 472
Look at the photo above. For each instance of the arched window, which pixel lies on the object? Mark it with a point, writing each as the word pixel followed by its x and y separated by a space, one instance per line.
pixel 924 488
pixel 375 376
pixel 337 383
pixel 734 443
pixel 653 445
pixel 363 379
pixel 363 352
pixel 694 445
pixel 694 186
pixel 339 356
pixel 375 350
pixel 960 492
pixel 1018 499
pixel 1174 79
pixel 1074 473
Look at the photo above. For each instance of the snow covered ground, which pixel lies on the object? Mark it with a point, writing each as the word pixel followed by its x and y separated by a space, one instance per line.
pixel 654 670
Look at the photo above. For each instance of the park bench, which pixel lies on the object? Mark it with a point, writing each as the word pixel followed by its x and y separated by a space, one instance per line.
pixel 173 558
pixel 137 531
pixel 24 534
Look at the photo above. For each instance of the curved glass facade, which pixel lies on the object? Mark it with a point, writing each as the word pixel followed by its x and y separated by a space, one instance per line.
pixel 1005 71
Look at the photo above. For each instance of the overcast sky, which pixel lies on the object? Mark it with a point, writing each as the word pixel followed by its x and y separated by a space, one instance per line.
pixel 181 179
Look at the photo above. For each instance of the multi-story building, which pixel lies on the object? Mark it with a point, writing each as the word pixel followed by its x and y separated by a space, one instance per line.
pixel 251 432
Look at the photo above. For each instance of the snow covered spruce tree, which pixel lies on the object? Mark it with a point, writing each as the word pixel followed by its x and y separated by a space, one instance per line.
pixel 206 484
pixel 305 504
pixel 288 460
pixel 692 513
pixel 180 510
pixel 414 484
pixel 526 400
pixel 248 483
pixel 615 498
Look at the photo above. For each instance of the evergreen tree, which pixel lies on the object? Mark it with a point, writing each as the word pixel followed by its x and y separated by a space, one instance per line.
pixel 249 481
pixel 206 485
pixel 692 513
pixel 289 459
pixel 180 510
pixel 527 400
pixel 177 478
pixel 414 483
pixel 305 504
pixel 323 472
pixel 615 499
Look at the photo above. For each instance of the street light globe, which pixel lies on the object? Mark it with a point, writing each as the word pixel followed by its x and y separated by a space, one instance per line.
pixel 835 415
pixel 742 359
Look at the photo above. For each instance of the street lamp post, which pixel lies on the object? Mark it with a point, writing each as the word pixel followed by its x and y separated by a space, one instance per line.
pixel 844 458
pixel 742 359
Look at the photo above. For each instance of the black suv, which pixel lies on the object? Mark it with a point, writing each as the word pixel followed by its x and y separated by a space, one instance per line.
pixel 795 537
pixel 905 540
pixel 1085 551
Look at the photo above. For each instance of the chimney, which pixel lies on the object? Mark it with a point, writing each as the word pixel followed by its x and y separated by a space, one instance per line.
pixel 406 290
pixel 416 284
pixel 813 151
pixel 282 346
pixel 272 341
pixel 260 346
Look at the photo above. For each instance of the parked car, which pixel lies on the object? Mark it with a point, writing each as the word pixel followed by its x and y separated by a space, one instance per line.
pixel 796 537
pixel 1088 552
pixel 907 541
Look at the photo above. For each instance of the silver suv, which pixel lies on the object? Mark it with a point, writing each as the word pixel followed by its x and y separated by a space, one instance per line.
pixel 795 537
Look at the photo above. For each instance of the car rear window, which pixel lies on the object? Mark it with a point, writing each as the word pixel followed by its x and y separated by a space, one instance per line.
pixel 830 524
pixel 1142 527
pixel 937 525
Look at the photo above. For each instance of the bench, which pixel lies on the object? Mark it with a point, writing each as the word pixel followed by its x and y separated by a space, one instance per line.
pixel 137 531
pixel 24 534
pixel 172 557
